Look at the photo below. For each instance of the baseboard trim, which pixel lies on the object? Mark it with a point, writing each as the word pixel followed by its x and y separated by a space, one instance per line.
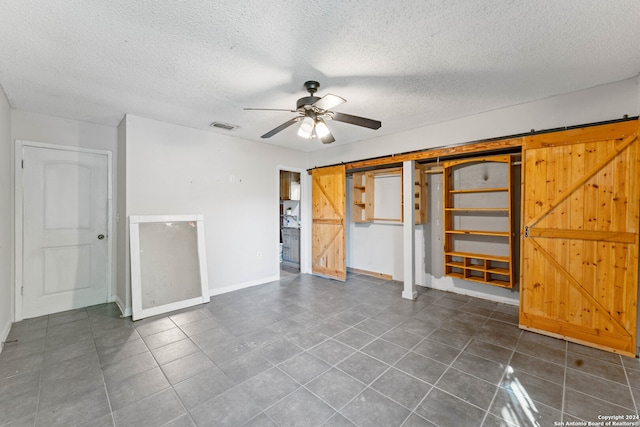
pixel 370 273
pixel 237 287
pixel 4 334
pixel 126 312
pixel 472 293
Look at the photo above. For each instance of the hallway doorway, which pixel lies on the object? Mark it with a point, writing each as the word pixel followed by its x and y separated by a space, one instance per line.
pixel 290 221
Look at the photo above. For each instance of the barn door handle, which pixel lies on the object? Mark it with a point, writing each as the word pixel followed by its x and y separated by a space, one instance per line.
pixel 100 236
pixel 526 231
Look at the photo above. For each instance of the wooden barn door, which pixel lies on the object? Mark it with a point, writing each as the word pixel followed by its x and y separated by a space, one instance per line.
pixel 328 194
pixel 580 238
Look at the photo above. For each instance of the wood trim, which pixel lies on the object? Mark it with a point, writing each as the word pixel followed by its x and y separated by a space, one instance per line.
pixel 501 159
pixel 456 150
pixel 432 170
pixel 606 236
pixel 387 172
pixel 370 273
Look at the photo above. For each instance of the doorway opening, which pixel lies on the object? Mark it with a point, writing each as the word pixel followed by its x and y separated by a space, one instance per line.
pixel 289 221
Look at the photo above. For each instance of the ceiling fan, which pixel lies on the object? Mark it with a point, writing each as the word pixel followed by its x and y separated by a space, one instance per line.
pixel 313 114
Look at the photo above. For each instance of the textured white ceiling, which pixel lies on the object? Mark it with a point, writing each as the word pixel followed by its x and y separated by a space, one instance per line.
pixel 407 63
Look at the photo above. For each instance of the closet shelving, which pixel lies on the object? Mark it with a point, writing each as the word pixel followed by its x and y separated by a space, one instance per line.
pixel 419 195
pixel 363 195
pixel 478 220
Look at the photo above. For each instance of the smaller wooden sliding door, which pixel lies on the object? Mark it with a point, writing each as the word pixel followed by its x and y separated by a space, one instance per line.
pixel 328 195
pixel 581 191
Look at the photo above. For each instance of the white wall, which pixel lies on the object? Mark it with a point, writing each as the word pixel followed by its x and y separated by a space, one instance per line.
pixel 6 220
pixel 601 103
pixel 34 127
pixel 233 182
pixel 55 130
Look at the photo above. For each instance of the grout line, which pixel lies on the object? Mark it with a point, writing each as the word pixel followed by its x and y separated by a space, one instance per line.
pixel 449 366
pixel 495 394
pixel 37 412
pixel 564 381
pixel 633 397
pixel 104 382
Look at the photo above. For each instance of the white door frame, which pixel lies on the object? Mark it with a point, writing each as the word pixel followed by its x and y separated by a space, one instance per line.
pixel 18 200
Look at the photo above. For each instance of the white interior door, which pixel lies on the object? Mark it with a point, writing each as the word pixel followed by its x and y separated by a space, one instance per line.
pixel 65 223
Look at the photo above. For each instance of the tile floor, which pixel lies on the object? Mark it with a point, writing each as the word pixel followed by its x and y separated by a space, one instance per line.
pixel 306 351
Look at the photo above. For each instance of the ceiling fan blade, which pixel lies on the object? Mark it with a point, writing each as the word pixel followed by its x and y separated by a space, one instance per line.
pixel 329 101
pixel 281 127
pixel 269 109
pixel 358 121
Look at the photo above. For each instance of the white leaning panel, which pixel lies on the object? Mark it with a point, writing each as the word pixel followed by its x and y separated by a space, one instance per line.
pixel 168 263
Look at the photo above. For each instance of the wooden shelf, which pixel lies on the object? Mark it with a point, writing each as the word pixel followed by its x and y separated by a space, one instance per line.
pixel 483 256
pixel 455 264
pixel 491 213
pixel 479 268
pixel 502 283
pixel 362 195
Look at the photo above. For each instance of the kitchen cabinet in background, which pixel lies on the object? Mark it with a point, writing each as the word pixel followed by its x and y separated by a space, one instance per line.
pixel 291 245
pixel 289 185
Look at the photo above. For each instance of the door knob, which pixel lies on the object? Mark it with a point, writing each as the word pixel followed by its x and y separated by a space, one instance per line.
pixel 100 236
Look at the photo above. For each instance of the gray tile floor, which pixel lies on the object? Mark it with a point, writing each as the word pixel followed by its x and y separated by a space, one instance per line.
pixel 306 351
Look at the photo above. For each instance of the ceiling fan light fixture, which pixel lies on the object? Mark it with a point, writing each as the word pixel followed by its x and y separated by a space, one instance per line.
pixel 322 130
pixel 306 127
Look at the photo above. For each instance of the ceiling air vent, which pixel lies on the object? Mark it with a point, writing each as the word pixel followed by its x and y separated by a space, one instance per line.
pixel 225 126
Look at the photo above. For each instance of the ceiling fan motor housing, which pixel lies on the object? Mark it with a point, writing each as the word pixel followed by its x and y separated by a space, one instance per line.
pixel 311 86
pixel 306 101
